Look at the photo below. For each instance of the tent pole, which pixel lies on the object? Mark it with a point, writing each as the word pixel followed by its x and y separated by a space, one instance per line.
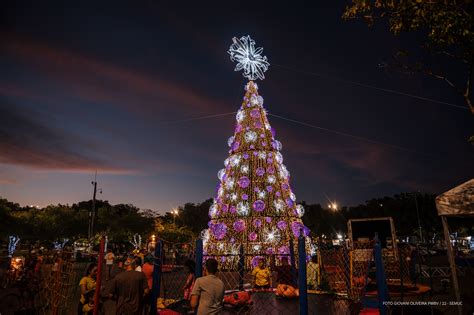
pixel 452 264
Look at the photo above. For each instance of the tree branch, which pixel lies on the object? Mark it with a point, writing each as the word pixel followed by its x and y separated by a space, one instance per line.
pixel 467 92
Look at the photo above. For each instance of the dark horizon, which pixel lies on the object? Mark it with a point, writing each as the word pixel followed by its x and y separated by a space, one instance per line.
pixel 116 87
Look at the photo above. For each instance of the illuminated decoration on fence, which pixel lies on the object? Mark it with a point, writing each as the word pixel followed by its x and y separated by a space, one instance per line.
pixel 249 59
pixel 13 241
pixel 254 206
pixel 136 241
pixel 59 245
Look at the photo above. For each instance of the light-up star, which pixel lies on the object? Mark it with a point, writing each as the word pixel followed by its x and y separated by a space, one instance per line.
pixel 248 58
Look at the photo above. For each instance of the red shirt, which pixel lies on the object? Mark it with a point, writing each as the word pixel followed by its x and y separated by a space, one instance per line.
pixel 147 270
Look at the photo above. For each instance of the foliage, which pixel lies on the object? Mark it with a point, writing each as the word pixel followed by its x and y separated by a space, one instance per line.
pixel 62 221
pixel 193 215
pixel 175 234
pixel 123 220
pixel 401 207
pixel 447 29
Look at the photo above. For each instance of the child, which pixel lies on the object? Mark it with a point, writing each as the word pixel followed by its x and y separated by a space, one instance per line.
pixel 188 286
pixel 261 276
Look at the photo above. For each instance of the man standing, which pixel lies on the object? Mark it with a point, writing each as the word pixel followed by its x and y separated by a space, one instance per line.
pixel 130 288
pixel 109 261
pixel 208 291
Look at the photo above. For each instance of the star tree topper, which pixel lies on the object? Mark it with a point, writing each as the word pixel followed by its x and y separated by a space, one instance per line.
pixel 248 58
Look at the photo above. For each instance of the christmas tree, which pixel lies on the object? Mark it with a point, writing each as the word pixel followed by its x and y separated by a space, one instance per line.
pixel 255 206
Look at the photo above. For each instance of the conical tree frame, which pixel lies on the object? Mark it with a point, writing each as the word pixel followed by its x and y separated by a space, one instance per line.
pixel 255 206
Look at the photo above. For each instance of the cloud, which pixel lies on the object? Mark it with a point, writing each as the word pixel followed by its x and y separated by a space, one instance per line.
pixel 96 81
pixel 24 141
pixel 333 159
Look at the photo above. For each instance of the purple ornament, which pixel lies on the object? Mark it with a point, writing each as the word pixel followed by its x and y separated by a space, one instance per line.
pixel 255 261
pixel 270 251
pixel 244 182
pixel 259 205
pixel 255 113
pixel 273 132
pixel 257 223
pixel 238 128
pixel 255 153
pixel 252 146
pixel 269 188
pixel 232 210
pixel 285 186
pixel 268 219
pixel 245 197
pixel 225 208
pixel 269 160
pixel 297 226
pixel 281 225
pixel 260 171
pixel 239 225
pixel 245 155
pixel 270 170
pixel 274 145
pixel 284 250
pixel 235 145
pixel 252 236
pixel 256 189
pixel 257 124
pixel 270 154
pixel 289 202
pixel 263 143
pixel 218 230
pixel 278 193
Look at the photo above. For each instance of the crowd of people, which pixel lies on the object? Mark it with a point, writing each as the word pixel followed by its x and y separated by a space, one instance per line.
pixel 129 281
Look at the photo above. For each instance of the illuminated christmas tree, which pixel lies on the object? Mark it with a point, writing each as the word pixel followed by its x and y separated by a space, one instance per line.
pixel 255 206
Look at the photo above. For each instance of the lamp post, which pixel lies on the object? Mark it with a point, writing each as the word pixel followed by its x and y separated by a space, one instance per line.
pixel 418 217
pixel 174 212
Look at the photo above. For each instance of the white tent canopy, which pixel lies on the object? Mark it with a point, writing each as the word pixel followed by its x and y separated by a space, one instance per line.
pixel 457 202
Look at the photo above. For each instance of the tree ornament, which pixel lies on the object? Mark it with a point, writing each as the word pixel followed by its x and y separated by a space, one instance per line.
pixel 239 225
pixel 244 182
pixel 259 205
pixel 254 206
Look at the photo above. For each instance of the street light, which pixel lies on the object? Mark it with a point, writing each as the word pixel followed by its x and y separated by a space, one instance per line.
pixel 333 206
pixel 174 212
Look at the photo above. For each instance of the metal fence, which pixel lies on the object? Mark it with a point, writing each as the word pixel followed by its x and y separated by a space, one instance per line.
pixel 343 279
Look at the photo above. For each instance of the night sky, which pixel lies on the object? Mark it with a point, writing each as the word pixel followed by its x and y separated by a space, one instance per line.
pixel 116 86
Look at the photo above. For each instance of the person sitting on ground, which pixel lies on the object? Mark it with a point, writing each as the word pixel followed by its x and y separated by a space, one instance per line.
pixel 286 284
pixel 87 285
pixel 261 276
pixel 208 291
